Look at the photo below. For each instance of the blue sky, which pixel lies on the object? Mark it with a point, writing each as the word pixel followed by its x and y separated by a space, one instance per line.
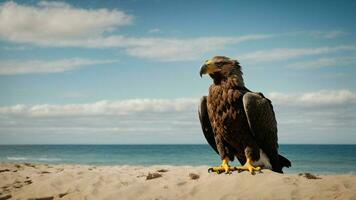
pixel 127 72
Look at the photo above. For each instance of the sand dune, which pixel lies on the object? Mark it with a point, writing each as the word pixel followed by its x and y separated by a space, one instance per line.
pixel 42 182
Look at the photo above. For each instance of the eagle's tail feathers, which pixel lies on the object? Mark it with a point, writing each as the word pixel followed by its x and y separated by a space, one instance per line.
pixel 278 162
pixel 284 161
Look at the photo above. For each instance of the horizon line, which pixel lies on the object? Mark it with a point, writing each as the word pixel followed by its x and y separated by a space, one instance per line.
pixel 172 144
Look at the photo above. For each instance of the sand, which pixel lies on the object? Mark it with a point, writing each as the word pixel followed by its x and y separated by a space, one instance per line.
pixel 42 182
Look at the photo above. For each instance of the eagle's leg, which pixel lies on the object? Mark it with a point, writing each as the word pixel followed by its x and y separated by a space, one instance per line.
pixel 224 167
pixel 251 154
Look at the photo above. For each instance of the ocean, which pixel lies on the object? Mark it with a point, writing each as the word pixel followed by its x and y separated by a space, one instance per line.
pixel 321 159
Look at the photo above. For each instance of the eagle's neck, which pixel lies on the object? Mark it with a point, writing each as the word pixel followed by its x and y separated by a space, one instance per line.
pixel 239 81
pixel 232 75
pixel 235 80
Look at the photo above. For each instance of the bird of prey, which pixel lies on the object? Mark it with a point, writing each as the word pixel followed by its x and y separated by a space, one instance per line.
pixel 238 122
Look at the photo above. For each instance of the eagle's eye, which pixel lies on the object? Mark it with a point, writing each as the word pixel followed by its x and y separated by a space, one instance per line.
pixel 220 63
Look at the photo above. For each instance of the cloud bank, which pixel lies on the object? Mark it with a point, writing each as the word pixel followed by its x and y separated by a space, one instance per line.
pixel 134 106
pixel 329 112
pixel 320 98
pixel 120 108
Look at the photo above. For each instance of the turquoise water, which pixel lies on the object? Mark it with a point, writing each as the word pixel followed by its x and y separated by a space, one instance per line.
pixel 322 159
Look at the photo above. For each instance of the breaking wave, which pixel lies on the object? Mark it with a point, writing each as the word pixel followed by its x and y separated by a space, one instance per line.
pixel 15 158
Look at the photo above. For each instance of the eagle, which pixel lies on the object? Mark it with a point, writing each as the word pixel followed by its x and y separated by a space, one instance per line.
pixel 237 122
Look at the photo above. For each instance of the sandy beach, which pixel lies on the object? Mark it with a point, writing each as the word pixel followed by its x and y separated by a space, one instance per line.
pixel 42 182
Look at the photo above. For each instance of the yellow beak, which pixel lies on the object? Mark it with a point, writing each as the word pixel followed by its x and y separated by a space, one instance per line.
pixel 208 68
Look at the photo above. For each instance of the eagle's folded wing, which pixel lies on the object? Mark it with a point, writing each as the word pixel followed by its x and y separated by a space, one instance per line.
pixel 205 123
pixel 261 119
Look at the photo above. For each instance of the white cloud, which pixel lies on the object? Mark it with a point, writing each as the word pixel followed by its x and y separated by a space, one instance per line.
pixel 289 53
pixel 319 98
pixel 328 34
pixel 134 106
pixel 126 121
pixel 124 107
pixel 325 116
pixel 324 62
pixel 313 117
pixel 171 49
pixel 58 24
pixel 16 48
pixel 54 4
pixel 66 26
pixel 12 67
pixel 183 49
pixel 154 30
pixel 163 49
pixel 52 21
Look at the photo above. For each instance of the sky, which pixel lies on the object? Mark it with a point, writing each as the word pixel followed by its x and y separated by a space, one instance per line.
pixel 127 72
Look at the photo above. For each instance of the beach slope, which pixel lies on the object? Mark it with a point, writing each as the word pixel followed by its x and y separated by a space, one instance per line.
pixel 41 181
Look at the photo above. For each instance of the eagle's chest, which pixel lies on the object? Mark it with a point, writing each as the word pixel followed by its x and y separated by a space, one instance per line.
pixel 225 107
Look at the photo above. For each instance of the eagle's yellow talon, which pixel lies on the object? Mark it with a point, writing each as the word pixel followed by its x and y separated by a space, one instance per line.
pixel 248 167
pixel 224 167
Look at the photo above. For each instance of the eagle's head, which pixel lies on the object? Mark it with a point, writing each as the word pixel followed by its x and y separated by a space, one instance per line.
pixel 221 68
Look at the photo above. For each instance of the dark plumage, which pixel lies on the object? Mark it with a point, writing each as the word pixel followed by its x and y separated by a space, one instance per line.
pixel 238 122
